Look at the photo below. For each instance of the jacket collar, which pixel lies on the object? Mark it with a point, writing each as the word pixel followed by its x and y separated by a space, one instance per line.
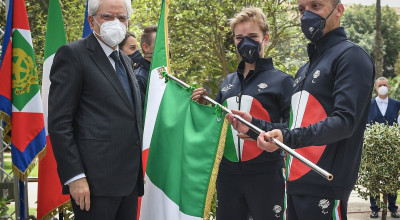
pixel 329 40
pixel 262 64
pixel 145 64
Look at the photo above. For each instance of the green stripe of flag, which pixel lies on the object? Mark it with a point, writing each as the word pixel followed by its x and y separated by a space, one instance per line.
pixel 56 37
pixel 230 151
pixel 160 49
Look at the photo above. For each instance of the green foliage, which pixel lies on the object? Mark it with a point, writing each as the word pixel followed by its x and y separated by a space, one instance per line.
pixel 380 167
pixel 201 42
pixel 395 87
pixel 359 22
pixel 3 207
pixel 397 66
pixel 213 214
pixel 34 9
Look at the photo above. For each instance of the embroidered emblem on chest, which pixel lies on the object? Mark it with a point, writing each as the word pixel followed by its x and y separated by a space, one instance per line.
pixel 226 88
pixel 262 86
pixel 315 76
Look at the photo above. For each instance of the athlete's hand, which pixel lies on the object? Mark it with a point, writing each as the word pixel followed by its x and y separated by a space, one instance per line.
pixel 197 95
pixel 237 125
pixel 264 143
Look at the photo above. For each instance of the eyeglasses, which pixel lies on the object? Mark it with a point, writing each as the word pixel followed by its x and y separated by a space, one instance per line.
pixel 110 17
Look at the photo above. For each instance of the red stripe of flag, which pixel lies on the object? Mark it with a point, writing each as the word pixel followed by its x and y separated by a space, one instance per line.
pixel 22 134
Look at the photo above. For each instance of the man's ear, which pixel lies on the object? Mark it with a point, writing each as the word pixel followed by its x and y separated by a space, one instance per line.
pixel 91 21
pixel 145 48
pixel 339 10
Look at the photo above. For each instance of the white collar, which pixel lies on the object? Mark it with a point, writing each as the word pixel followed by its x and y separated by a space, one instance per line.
pixel 379 100
pixel 107 49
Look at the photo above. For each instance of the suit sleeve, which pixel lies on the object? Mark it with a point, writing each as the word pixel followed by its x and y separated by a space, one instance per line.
pixel 65 91
pixel 286 90
pixel 352 86
pixel 142 81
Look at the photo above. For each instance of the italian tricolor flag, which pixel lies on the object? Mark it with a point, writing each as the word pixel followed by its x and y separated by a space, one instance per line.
pixel 184 142
pixel 50 198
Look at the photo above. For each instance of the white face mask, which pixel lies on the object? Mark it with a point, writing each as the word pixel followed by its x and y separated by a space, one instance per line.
pixel 113 32
pixel 383 90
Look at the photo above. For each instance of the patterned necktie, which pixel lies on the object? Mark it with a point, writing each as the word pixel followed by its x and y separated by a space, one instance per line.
pixel 121 73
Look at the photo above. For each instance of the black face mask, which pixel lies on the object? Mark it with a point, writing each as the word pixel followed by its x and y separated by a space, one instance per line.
pixel 249 50
pixel 136 56
pixel 313 25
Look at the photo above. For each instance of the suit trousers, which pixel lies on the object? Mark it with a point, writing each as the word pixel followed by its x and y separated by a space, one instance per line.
pixel 109 208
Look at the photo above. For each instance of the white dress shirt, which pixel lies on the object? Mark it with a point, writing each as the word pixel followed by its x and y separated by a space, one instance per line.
pixel 382 104
pixel 107 50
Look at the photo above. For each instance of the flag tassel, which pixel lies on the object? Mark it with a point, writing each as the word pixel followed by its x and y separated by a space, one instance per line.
pixel 59 209
pixel 24 175
pixel 214 173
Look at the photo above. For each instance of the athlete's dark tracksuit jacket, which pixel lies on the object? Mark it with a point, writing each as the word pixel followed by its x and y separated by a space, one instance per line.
pixel 330 106
pixel 265 92
pixel 142 75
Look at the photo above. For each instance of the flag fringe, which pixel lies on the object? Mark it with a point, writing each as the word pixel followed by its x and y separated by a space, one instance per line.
pixel 6 118
pixel 24 175
pixel 214 172
pixel 61 208
pixel 166 40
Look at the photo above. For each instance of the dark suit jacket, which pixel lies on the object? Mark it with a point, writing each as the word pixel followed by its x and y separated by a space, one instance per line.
pixel 92 126
pixel 391 114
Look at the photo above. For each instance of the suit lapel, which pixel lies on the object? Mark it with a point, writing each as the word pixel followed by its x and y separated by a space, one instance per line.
pixel 377 108
pixel 135 89
pixel 103 63
pixel 389 107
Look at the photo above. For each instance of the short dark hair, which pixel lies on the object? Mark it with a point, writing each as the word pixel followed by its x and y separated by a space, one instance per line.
pixel 146 36
pixel 127 35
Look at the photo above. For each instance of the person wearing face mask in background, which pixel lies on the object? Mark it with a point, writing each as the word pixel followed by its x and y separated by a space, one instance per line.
pixel 130 47
pixel 383 110
pixel 143 67
pixel 329 110
pixel 95 118
pixel 246 173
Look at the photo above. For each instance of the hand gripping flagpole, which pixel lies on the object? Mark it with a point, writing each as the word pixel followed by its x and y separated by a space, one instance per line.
pixel 281 145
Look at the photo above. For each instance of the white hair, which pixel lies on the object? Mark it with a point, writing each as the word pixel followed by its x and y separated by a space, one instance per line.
pixel 381 78
pixel 93 6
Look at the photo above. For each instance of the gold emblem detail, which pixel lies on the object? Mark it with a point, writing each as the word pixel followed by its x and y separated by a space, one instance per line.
pixel 161 70
pixel 23 71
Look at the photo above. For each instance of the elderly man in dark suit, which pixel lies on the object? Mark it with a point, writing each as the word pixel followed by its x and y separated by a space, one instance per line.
pixel 383 110
pixel 95 118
